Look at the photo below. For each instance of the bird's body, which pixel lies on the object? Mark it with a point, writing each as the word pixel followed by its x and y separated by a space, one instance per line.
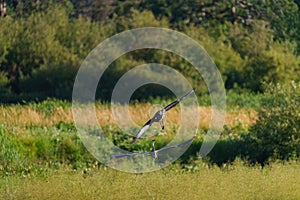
pixel 159 116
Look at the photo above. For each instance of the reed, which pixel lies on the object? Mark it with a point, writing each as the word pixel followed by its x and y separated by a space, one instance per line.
pixel 23 116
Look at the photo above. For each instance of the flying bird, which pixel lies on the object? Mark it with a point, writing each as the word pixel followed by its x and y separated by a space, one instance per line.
pixel 159 116
pixel 154 153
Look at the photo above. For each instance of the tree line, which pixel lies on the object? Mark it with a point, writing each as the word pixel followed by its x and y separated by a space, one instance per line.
pixel 43 42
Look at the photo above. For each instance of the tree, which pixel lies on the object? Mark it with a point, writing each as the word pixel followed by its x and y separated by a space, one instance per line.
pixel 22 8
pixel 95 10
pixel 28 44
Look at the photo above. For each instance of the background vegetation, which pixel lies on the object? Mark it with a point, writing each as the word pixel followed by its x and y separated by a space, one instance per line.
pixel 43 43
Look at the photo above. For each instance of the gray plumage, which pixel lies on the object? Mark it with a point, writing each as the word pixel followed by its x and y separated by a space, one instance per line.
pixel 159 116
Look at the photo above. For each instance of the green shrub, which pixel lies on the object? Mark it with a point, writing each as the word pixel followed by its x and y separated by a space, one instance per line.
pixel 10 156
pixel 276 133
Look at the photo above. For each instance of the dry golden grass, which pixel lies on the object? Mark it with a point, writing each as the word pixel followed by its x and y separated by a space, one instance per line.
pixel 281 181
pixel 27 116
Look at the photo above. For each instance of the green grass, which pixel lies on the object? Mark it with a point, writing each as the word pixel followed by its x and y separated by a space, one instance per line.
pixel 42 134
pixel 41 157
pixel 237 181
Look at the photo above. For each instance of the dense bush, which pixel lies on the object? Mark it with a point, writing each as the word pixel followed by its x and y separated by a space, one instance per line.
pixel 40 53
pixel 276 133
pixel 263 58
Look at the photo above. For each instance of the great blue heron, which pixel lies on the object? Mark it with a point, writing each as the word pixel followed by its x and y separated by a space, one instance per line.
pixel 154 153
pixel 159 116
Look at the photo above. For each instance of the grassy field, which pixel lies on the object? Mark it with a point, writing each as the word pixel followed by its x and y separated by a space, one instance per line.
pixel 51 114
pixel 279 181
pixel 42 158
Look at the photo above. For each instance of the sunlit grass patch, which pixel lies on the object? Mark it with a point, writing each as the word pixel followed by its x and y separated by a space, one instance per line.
pixel 44 115
pixel 237 181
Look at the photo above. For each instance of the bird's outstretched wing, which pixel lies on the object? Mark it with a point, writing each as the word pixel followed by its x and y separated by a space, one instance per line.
pixel 123 155
pixel 151 152
pixel 130 154
pixel 176 145
pixel 143 129
pixel 174 103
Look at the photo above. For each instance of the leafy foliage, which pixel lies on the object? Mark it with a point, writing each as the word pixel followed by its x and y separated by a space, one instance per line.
pixel 42 52
pixel 277 130
pixel 42 46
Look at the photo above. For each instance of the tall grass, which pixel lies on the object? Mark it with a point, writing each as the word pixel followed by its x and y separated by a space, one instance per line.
pixel 40 148
pixel 42 134
pixel 10 156
pixel 43 114
pixel 237 181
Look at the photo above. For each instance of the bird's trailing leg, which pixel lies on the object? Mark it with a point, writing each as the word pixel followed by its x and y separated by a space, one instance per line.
pixel 162 124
